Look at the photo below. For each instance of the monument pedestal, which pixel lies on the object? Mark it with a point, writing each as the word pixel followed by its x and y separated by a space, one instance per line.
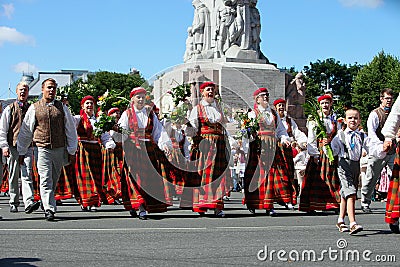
pixel 236 81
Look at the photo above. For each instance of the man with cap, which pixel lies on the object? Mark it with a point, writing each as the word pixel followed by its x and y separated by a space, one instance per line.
pixel 321 184
pixel 143 178
pixel 376 121
pixel 209 156
pixel 10 125
pixel 295 134
pixel 265 179
pixel 50 125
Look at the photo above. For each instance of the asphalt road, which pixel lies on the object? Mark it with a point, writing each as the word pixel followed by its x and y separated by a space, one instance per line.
pixel 111 237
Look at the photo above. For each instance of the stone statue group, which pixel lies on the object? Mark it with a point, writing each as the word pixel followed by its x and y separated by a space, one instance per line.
pixel 223 28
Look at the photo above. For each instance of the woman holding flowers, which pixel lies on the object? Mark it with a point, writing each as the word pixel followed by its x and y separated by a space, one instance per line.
pixel 89 183
pixel 143 181
pixel 321 185
pixel 265 178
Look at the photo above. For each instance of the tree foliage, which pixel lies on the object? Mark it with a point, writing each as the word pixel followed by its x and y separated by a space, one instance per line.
pixel 98 83
pixel 382 72
pixel 332 73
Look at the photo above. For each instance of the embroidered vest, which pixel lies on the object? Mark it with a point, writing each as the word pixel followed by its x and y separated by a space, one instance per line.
pixel 49 129
pixel 17 115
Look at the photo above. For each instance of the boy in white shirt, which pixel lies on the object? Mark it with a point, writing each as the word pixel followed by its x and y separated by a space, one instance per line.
pixel 348 145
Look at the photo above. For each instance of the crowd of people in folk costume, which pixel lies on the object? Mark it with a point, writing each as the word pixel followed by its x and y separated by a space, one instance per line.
pixel 144 163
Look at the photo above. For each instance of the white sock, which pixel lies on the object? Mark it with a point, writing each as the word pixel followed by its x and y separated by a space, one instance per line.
pixel 352 223
pixel 340 220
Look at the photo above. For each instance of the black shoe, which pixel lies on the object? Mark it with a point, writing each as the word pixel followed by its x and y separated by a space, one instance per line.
pixel 252 211
pixel 366 210
pixel 117 202
pixel 59 202
pixel 13 209
pixel 133 213
pixel 85 208
pixel 32 207
pixel 49 215
pixel 311 213
pixel 394 228
pixel 202 214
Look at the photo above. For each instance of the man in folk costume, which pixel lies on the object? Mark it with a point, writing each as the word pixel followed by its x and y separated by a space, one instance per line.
pixel 50 125
pixel 376 121
pixel 209 157
pixel 295 135
pixel 88 166
pixel 321 184
pixel 143 182
pixel 10 125
pixel 265 178
pixel 389 131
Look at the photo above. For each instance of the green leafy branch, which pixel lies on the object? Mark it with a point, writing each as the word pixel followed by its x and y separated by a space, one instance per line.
pixel 313 109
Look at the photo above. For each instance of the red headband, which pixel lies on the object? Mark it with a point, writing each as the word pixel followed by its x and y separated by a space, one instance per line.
pixel 112 110
pixel 206 84
pixel 278 101
pixel 326 96
pixel 259 91
pixel 88 97
pixel 137 90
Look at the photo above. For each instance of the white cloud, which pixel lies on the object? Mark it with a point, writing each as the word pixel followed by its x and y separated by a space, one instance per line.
pixel 8 10
pixel 362 3
pixel 13 36
pixel 25 67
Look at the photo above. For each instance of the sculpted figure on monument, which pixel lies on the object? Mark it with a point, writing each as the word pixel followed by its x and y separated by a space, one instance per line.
pixel 201 27
pixel 189 46
pixel 196 77
pixel 255 24
pixel 296 96
pixel 227 30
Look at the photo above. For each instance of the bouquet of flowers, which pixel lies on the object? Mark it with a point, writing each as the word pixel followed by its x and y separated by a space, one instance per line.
pixel 179 113
pixel 313 109
pixel 248 127
pixel 104 122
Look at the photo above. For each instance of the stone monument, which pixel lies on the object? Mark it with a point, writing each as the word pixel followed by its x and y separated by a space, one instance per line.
pixel 224 45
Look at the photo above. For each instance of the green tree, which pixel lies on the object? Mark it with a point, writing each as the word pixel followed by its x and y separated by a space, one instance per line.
pixel 98 83
pixel 330 73
pixel 382 72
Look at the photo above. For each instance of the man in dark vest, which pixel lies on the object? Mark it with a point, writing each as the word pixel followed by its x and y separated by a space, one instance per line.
pixel 50 125
pixel 376 120
pixel 10 124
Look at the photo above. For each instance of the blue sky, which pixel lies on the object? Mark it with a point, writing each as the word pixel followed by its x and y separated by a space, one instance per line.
pixel 44 35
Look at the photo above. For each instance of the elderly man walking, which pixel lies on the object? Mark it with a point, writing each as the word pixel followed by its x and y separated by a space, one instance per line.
pixel 10 124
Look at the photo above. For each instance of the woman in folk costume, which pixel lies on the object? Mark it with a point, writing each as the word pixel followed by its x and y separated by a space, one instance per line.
pixel 112 161
pixel 390 130
pixel 209 157
pixel 143 182
pixel 179 155
pixel 321 184
pixel 265 178
pixel 296 136
pixel 89 183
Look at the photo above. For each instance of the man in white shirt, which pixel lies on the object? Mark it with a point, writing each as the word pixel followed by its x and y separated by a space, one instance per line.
pixel 10 124
pixel 50 125
pixel 375 123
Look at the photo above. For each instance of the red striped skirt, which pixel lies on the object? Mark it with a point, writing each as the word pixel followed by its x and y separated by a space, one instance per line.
pixel 321 186
pixel 393 197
